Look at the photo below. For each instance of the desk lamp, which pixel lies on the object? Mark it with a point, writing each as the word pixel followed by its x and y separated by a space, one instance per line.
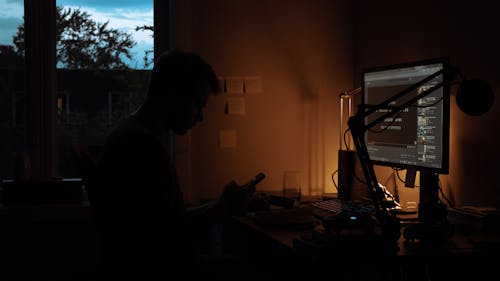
pixel 474 97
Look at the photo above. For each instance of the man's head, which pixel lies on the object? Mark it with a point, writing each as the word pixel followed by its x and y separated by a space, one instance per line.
pixel 179 88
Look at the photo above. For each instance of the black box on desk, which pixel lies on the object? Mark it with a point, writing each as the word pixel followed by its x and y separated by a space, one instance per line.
pixel 34 192
pixel 484 219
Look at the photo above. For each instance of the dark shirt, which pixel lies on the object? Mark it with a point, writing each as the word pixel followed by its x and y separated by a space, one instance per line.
pixel 138 205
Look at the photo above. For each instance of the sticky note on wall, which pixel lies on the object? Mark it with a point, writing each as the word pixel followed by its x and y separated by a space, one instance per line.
pixel 235 84
pixel 235 106
pixel 253 84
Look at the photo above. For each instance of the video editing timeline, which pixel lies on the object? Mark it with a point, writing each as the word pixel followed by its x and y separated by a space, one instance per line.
pixel 413 136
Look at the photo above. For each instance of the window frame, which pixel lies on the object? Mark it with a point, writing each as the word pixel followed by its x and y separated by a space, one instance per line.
pixel 16 97
pixel 124 96
pixel 41 71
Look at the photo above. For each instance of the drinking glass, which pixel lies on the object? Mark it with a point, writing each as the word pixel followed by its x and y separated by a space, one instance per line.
pixel 292 185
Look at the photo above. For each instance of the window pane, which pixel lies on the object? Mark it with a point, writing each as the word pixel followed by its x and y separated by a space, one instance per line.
pixel 12 101
pixel 104 57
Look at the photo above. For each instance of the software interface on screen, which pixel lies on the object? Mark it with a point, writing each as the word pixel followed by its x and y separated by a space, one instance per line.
pixel 414 136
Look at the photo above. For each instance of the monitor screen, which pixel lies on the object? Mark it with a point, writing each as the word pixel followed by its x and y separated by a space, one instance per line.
pixel 418 135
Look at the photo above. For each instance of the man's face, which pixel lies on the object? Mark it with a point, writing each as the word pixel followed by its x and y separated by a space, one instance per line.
pixel 188 113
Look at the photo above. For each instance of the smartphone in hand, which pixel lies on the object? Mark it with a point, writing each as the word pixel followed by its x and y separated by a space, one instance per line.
pixel 250 185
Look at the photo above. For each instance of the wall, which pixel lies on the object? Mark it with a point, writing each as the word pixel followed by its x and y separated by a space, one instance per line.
pixel 303 51
pixel 466 31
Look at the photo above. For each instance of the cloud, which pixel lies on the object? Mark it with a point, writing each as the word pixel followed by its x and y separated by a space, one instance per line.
pixel 123 19
pixel 8 28
pixel 122 15
pixel 137 56
pixel 101 5
pixel 11 9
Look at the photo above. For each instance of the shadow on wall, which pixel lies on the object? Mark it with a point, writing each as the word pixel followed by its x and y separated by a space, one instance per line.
pixel 475 173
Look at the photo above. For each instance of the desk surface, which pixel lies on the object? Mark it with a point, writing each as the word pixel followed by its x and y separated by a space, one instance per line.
pixel 458 258
pixel 286 237
pixel 276 246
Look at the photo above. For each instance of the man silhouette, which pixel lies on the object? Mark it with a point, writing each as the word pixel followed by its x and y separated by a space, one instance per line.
pixel 145 229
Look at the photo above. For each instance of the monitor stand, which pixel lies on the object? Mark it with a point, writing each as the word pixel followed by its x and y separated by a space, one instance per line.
pixel 433 225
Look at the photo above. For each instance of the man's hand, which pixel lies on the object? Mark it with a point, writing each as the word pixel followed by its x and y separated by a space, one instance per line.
pixel 234 199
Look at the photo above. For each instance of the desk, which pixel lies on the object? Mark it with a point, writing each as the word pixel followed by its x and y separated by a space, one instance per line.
pixel 457 258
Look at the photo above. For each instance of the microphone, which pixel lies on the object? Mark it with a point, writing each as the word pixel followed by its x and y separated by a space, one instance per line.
pixel 475 97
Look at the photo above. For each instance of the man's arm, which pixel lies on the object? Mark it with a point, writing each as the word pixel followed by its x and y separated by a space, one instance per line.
pixel 233 200
pixel 204 215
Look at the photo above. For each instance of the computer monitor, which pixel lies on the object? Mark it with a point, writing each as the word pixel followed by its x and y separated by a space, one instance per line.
pixel 416 137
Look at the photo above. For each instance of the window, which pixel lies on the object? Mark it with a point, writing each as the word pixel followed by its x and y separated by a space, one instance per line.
pixel 105 66
pixel 62 101
pixel 62 107
pixel 82 84
pixel 12 98
pixel 18 110
pixel 119 105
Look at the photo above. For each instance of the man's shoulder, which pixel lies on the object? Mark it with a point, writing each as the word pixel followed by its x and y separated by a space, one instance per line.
pixel 130 138
pixel 130 125
pixel 131 144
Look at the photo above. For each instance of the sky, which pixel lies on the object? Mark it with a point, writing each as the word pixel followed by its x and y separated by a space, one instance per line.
pixel 124 15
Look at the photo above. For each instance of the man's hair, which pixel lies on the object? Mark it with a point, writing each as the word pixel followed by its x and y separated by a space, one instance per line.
pixel 181 75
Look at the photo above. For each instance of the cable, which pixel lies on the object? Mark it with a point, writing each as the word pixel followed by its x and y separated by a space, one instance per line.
pixel 333 180
pixel 345 140
pixel 399 177
pixel 397 174
pixel 347 149
pixel 448 201
pixel 358 179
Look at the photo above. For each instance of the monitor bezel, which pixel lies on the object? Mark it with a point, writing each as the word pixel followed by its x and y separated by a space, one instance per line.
pixel 444 169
